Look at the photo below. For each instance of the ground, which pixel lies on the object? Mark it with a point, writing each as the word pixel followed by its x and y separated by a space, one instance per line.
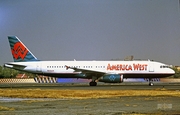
pixel 101 106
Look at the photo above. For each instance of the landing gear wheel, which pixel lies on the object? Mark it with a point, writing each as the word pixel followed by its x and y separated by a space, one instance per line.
pixel 92 83
pixel 151 84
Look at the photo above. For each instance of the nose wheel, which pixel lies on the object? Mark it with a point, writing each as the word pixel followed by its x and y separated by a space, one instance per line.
pixel 151 82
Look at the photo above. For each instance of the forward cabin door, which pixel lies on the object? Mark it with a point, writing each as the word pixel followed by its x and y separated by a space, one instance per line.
pixel 38 67
pixel 151 66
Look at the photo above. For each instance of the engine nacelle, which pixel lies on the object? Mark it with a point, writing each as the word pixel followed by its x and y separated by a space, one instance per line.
pixel 112 78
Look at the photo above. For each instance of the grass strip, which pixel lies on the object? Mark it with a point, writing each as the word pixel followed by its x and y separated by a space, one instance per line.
pixel 83 94
pixel 3 108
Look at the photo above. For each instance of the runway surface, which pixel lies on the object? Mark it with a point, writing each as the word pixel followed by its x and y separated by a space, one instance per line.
pixel 85 86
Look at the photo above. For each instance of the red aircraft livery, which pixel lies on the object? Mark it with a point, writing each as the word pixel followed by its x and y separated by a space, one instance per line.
pixel 128 67
pixel 19 51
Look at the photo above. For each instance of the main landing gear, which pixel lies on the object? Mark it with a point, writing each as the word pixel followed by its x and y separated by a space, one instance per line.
pixel 93 82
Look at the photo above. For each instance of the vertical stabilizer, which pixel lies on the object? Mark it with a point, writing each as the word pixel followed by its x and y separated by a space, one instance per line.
pixel 19 51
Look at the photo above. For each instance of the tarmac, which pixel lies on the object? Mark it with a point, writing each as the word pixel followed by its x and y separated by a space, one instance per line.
pixel 100 86
pixel 161 105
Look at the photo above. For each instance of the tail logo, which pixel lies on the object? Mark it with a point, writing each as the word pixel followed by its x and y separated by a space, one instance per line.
pixel 19 51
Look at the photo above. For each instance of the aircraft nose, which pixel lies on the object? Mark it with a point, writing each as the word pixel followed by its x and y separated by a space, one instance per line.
pixel 171 71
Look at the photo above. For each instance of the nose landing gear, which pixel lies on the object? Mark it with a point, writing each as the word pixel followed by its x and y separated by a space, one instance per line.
pixel 151 82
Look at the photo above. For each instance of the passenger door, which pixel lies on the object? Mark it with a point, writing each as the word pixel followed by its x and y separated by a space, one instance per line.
pixel 38 67
pixel 151 67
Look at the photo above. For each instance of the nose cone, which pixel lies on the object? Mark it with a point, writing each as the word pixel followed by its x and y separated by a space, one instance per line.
pixel 171 71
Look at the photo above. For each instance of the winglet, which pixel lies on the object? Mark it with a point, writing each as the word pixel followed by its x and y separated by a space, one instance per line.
pixel 19 51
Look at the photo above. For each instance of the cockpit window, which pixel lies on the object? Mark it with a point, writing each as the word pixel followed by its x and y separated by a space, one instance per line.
pixel 164 66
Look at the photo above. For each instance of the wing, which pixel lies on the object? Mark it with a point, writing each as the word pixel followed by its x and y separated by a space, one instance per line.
pixel 91 72
pixel 87 71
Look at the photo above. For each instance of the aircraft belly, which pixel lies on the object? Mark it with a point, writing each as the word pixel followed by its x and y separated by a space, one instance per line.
pixel 146 75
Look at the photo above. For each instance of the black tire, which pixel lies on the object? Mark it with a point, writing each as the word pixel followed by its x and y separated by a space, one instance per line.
pixel 92 83
pixel 151 84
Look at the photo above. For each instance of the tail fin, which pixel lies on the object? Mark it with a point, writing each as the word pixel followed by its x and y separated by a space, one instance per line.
pixel 19 51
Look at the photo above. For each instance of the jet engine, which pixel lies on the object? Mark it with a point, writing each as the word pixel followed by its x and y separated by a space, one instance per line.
pixel 112 78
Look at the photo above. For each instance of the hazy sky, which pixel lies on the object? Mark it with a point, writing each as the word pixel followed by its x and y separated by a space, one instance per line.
pixel 93 29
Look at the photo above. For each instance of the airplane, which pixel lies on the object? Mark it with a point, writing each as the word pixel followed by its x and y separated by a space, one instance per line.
pixel 102 71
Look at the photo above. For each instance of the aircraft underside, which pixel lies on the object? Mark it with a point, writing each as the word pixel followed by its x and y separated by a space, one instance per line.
pixel 110 78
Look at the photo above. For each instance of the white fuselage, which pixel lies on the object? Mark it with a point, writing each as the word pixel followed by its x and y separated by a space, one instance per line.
pixel 130 69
